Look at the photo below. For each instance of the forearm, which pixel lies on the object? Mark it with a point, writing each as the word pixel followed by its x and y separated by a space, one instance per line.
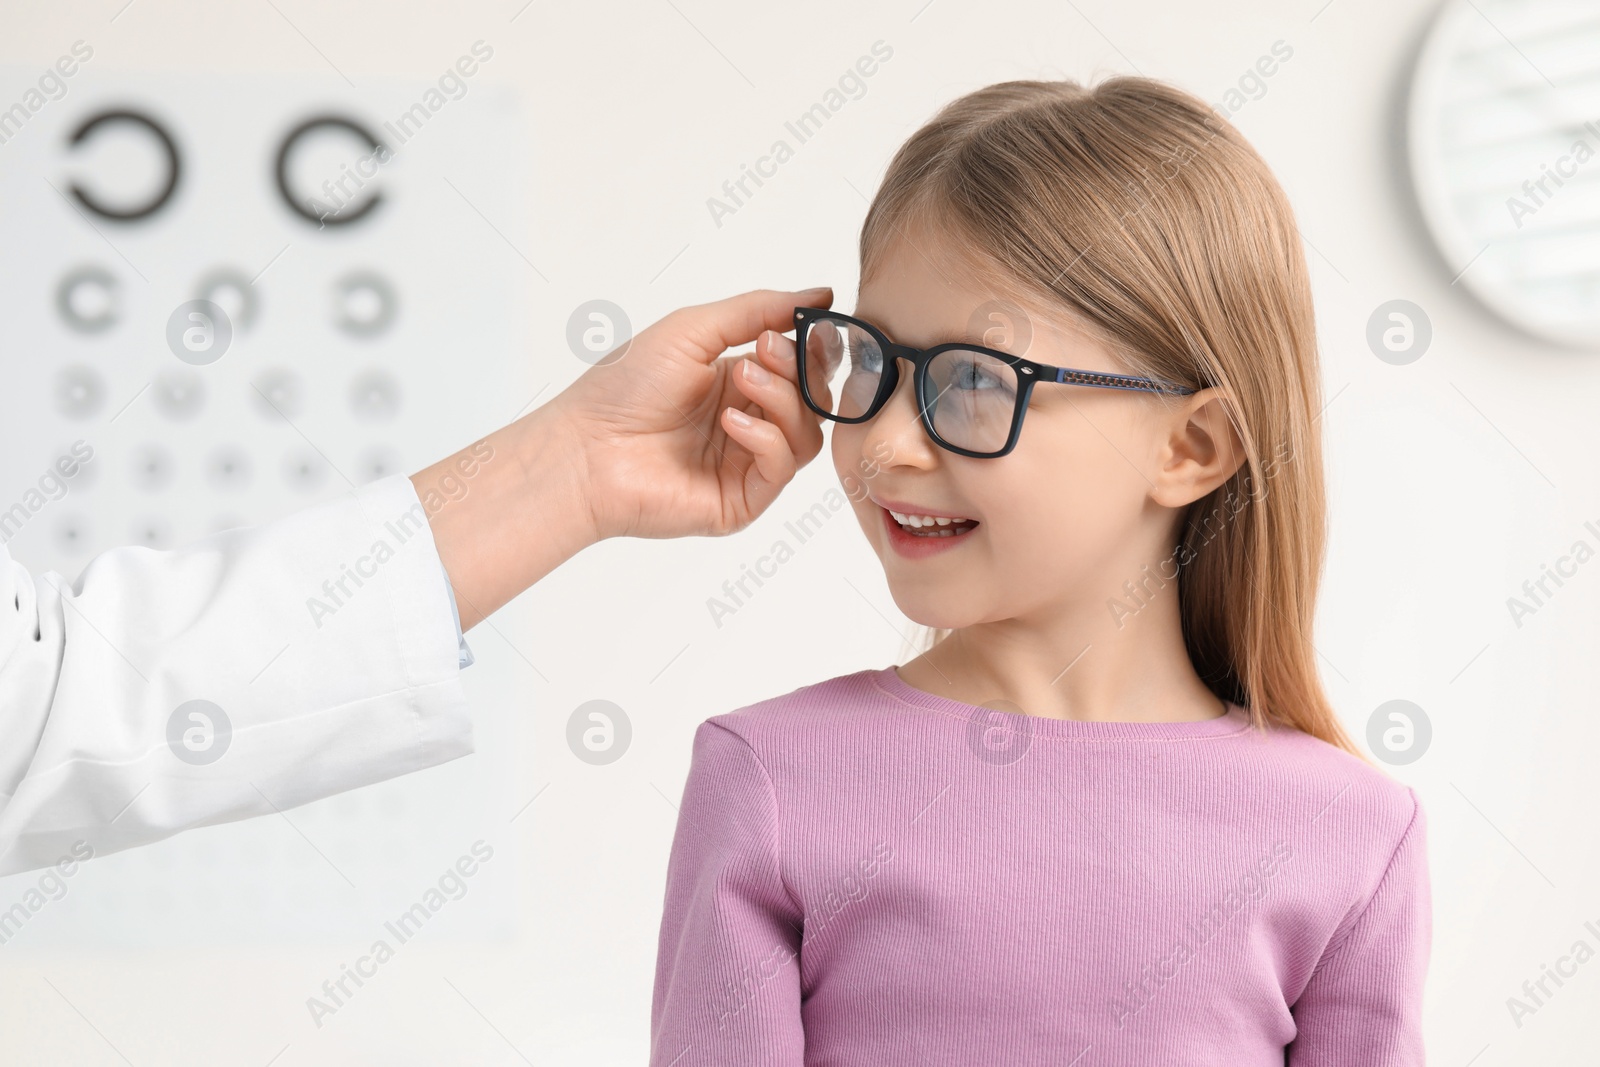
pixel 507 510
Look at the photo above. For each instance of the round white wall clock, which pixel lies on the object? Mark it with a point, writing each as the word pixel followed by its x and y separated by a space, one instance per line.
pixel 1503 131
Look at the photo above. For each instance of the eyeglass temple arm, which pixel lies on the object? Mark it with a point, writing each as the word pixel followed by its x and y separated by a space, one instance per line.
pixel 1098 380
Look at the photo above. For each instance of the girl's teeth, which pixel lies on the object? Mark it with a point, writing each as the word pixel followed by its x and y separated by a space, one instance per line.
pixel 935 526
pixel 923 520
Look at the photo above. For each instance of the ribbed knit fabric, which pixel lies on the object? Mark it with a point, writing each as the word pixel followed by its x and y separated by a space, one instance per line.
pixel 867 874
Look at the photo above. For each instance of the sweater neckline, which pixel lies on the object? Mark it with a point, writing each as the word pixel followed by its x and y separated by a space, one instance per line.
pixel 1236 720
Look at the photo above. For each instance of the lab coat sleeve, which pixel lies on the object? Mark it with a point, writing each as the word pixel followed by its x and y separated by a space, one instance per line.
pixel 322 644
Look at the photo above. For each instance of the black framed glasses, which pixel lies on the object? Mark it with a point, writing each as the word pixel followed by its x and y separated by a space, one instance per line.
pixel 970 399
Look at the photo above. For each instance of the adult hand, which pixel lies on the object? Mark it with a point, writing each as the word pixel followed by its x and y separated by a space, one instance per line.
pixel 678 442
pixel 646 446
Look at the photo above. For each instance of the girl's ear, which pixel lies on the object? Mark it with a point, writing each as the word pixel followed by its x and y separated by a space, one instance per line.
pixel 1202 450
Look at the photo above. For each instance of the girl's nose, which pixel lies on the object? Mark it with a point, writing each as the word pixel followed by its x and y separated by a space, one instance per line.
pixel 896 431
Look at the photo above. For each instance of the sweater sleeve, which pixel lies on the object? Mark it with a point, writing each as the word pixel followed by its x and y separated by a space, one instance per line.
pixel 727 983
pixel 1362 1006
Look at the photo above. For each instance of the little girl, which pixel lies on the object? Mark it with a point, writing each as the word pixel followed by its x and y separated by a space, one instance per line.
pixel 1109 817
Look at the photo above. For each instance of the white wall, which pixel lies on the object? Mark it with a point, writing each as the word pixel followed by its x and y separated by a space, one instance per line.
pixel 1453 479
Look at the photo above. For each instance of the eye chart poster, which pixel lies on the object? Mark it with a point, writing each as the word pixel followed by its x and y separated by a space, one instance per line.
pixel 361 244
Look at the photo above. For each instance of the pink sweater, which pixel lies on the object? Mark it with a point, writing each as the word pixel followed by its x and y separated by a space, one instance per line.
pixel 867 874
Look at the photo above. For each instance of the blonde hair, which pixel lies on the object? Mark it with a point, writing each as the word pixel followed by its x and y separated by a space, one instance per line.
pixel 1150 220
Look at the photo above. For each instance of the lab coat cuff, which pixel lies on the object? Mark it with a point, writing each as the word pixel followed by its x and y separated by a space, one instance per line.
pixel 420 591
pixel 463 653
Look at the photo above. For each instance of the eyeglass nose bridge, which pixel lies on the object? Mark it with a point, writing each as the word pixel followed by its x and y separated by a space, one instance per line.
pixel 892 355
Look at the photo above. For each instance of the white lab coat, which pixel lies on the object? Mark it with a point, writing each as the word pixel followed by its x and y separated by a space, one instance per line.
pixel 321 699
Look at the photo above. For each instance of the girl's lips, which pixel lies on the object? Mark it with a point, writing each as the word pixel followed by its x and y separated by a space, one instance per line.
pixel 911 546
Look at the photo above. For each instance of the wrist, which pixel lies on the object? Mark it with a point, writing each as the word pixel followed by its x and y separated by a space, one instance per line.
pixel 549 451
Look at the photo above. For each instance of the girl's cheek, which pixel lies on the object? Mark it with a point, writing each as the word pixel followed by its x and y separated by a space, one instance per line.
pixel 855 470
pixel 848 462
pixel 841 463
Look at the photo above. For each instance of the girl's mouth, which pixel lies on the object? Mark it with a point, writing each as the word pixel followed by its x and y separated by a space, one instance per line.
pixel 922 540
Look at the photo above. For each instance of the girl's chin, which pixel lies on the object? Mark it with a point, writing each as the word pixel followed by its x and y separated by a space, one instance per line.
pixel 917 606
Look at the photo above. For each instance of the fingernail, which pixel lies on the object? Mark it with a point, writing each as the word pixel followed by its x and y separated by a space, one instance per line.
pixel 740 418
pixel 818 289
pixel 755 373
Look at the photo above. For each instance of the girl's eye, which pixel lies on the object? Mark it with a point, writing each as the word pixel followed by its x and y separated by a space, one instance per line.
pixel 971 375
pixel 865 357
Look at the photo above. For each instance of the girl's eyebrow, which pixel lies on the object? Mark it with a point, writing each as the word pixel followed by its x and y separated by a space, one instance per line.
pixel 855 313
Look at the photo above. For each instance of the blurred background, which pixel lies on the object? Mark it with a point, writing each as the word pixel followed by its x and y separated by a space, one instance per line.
pixel 560 175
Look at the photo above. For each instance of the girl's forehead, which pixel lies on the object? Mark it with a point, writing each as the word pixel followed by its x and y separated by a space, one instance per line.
pixel 984 318
pixel 930 287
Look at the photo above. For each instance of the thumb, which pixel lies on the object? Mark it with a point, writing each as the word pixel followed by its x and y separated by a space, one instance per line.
pixel 738 320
